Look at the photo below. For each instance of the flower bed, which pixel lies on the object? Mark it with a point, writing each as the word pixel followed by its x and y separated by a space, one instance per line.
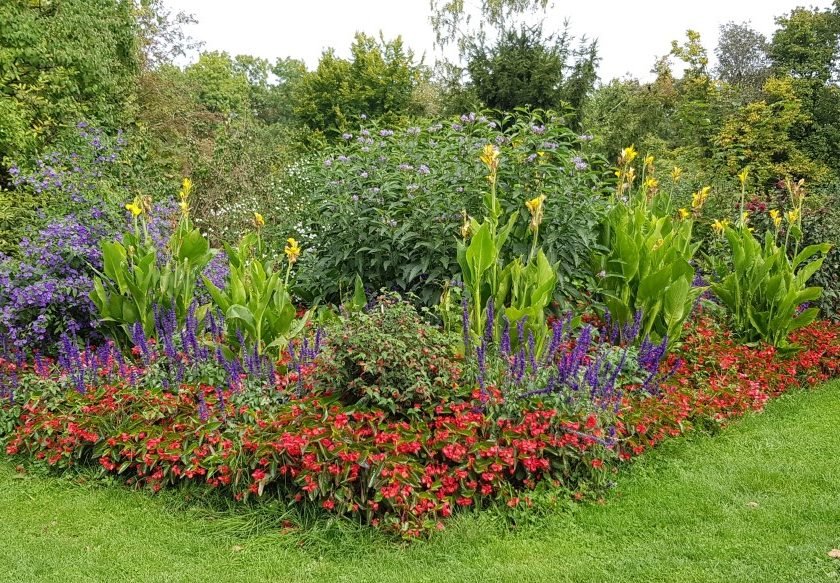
pixel 402 473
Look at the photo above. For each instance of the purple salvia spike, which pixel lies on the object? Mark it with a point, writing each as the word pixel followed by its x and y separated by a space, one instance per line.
pixel 465 323
pixel 532 353
pixel 491 322
pixel 504 344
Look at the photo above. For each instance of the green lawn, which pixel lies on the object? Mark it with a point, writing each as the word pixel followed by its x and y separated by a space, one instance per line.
pixel 758 503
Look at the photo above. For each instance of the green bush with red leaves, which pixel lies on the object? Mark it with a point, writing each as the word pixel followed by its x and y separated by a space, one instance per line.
pixel 390 358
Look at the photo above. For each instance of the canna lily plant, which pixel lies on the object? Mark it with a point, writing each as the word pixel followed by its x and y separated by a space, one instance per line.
pixel 767 288
pixel 256 302
pixel 136 276
pixel 521 289
pixel 646 267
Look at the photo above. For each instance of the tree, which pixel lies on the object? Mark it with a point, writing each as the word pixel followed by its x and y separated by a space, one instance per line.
pixel 450 18
pixel 526 68
pixel 377 82
pixel 742 56
pixel 222 87
pixel 61 62
pixel 806 47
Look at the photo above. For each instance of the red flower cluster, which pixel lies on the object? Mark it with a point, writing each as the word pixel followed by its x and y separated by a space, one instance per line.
pixel 405 475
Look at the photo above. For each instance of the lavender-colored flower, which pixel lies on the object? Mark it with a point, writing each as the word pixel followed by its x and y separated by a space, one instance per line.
pixel 579 163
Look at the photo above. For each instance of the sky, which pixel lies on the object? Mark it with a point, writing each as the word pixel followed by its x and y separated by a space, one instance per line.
pixel 630 34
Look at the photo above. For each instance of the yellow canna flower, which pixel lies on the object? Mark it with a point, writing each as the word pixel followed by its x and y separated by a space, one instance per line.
pixel 698 199
pixel 792 216
pixel 186 187
pixel 185 208
pixel 776 217
pixel 649 161
pixel 743 175
pixel 684 214
pixel 627 156
pixel 745 218
pixel 292 250
pixel 676 174
pixel 466 225
pixel 135 209
pixel 259 221
pixel 536 207
pixel 651 183
pixel 490 157
pixel 720 225
pixel 631 175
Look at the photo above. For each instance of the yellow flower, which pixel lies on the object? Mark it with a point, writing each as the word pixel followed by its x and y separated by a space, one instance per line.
pixel 776 217
pixel 649 161
pixel 792 216
pixel 627 156
pixel 185 208
pixel 186 187
pixel 490 157
pixel 631 175
pixel 466 225
pixel 743 175
pixel 720 225
pixel 292 250
pixel 536 207
pixel 745 218
pixel 684 214
pixel 676 174
pixel 259 221
pixel 651 183
pixel 698 199
pixel 135 209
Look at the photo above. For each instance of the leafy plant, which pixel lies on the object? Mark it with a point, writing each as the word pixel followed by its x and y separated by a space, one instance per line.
pixel 766 290
pixel 389 358
pixel 646 266
pixel 256 301
pixel 522 289
pixel 135 278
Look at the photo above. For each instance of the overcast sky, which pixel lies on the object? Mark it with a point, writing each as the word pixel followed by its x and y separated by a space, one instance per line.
pixel 630 34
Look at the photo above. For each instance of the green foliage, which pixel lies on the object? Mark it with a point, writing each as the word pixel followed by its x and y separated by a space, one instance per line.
pixel 389 358
pixel 520 289
pixel 136 281
pixel 822 223
pixel 526 68
pixel 377 82
pixel 766 288
pixel 646 267
pixel 758 135
pixel 222 86
pixel 48 77
pixel 389 207
pixel 256 301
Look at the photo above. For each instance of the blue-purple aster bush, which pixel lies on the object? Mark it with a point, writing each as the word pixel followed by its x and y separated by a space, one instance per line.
pixel 387 203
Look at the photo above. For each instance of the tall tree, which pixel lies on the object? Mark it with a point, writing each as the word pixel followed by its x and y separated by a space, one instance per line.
pixel 742 56
pixel 527 68
pixel 61 62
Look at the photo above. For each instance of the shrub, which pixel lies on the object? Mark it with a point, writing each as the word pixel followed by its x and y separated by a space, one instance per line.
pixel 389 358
pixel 387 204
pixel 44 290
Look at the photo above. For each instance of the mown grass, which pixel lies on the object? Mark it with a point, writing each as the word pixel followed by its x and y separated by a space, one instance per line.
pixel 760 502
